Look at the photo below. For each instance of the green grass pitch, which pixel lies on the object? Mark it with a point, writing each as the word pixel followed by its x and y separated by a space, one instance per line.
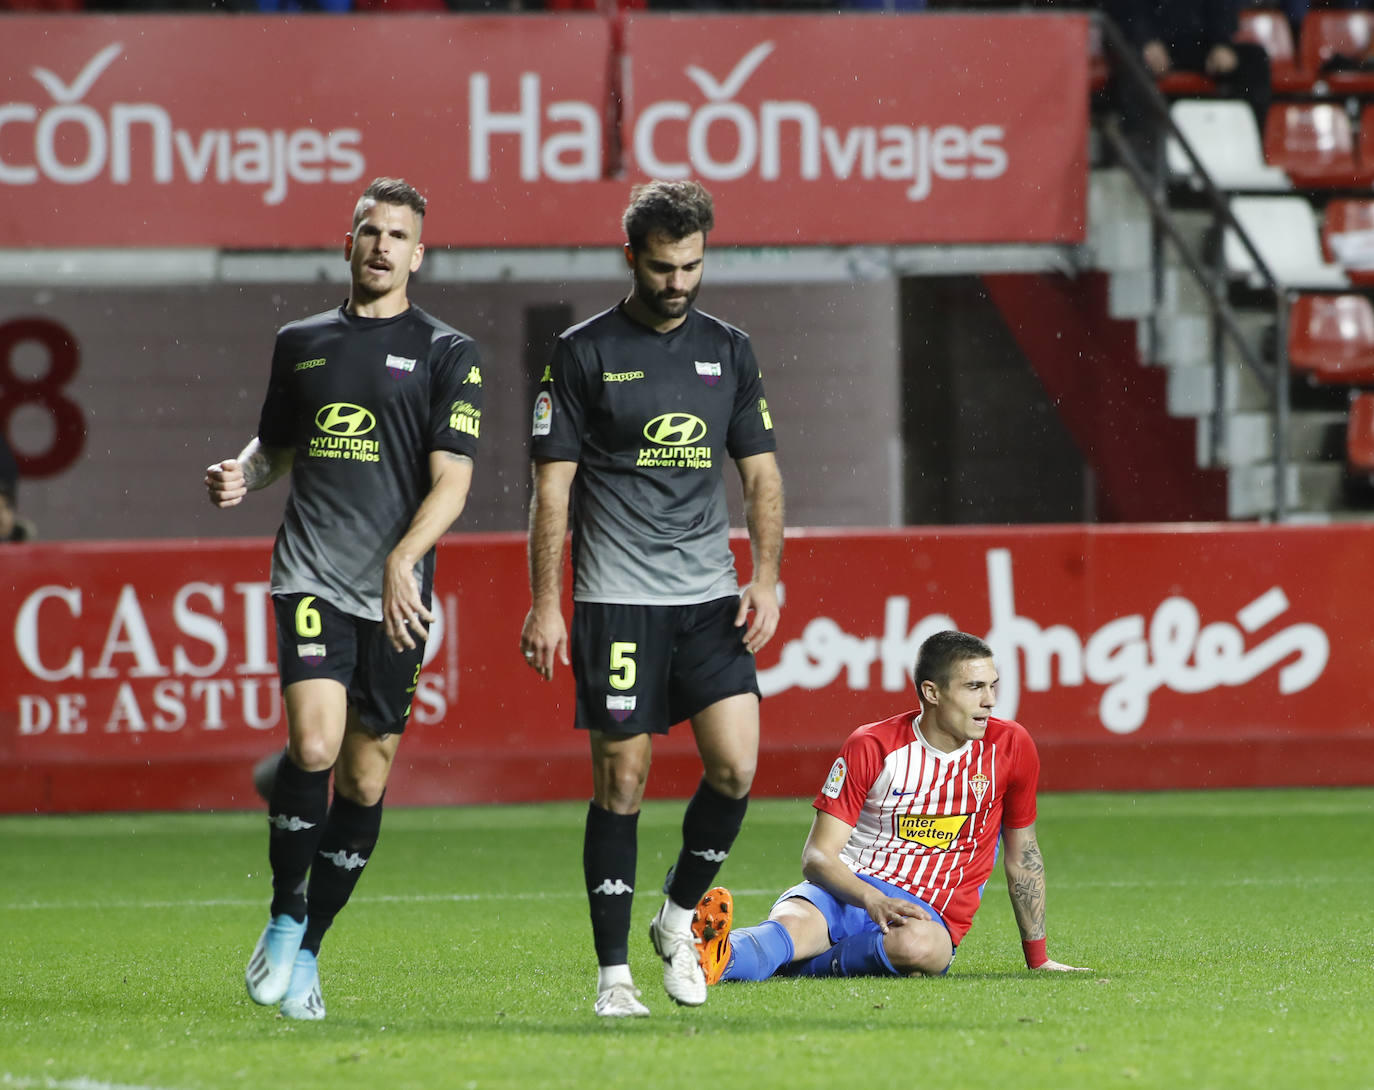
pixel 1231 937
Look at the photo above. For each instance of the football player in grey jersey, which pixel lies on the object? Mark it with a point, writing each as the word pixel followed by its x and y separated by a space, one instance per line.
pixel 637 412
pixel 374 408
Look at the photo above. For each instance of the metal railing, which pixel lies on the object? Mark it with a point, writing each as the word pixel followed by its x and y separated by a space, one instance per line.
pixel 1152 183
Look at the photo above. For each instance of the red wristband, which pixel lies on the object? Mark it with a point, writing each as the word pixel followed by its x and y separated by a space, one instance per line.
pixel 1035 952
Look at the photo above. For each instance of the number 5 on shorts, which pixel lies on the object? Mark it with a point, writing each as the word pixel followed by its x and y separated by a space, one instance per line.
pixel 623 665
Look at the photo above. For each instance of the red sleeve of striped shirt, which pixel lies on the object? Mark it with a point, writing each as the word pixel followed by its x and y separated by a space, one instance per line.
pixel 860 762
pixel 1019 807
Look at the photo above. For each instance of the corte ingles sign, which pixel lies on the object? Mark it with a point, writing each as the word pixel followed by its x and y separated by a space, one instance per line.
pixel 1137 657
pixel 258 133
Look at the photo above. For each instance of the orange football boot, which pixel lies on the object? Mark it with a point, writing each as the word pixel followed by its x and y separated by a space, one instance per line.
pixel 711 930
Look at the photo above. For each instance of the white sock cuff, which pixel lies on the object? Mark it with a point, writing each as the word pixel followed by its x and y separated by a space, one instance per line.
pixel 606 975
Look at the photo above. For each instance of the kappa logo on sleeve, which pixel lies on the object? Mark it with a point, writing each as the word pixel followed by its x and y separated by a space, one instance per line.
pixel 839 772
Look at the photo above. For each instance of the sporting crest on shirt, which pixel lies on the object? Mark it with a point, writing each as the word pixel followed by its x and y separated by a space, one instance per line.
pixel 708 372
pixel 938 831
pixel 396 366
pixel 979 784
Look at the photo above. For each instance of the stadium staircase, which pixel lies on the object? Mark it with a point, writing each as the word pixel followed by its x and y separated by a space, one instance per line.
pixel 1177 341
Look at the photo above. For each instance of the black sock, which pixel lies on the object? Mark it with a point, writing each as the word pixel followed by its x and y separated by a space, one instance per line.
pixel 296 814
pixel 350 834
pixel 609 848
pixel 709 829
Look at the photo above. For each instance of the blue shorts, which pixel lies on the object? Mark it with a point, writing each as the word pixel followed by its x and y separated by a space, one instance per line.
pixel 844 920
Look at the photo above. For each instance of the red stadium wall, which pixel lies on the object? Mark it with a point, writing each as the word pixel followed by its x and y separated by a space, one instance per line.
pixel 249 132
pixel 139 675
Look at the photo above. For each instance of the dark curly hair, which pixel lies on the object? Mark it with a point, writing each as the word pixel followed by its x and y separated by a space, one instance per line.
pixel 673 209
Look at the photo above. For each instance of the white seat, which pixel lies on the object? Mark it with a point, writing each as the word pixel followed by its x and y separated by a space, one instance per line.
pixel 1226 140
pixel 1284 231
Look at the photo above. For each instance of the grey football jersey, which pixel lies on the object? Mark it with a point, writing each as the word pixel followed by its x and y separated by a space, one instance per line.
pixel 650 417
pixel 362 402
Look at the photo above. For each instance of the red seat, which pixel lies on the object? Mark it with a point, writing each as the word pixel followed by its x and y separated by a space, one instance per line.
pixel 1328 34
pixel 1331 338
pixel 1359 434
pixel 1098 69
pixel 1314 143
pixel 1348 237
pixel 1185 85
pixel 1271 30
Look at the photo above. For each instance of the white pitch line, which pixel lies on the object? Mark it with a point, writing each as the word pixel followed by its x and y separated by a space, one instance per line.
pixel 1274 881
pixel 379 899
pixel 20 1082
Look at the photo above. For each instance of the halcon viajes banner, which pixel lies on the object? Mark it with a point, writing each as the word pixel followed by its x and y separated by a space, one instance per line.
pixel 142 675
pixel 258 133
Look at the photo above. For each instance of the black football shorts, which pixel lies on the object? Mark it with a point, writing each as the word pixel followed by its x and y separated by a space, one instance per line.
pixel 640 669
pixel 316 640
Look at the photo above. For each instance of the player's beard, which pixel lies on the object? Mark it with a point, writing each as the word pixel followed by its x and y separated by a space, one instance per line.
pixel 666 304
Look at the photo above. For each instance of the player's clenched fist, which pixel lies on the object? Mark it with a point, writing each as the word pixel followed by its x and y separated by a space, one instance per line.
pixel 225 483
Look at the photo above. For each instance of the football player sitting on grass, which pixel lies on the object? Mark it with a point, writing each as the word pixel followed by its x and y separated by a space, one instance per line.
pixel 904 838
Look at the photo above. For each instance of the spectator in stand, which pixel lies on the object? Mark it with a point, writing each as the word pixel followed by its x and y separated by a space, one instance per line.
pixel 1197 36
pixel 12 527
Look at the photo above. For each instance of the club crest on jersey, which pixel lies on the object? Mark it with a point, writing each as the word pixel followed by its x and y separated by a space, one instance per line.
pixel 709 372
pixel 979 784
pixel 543 413
pixel 313 653
pixel 931 831
pixel 397 366
pixel 621 707
pixel 839 771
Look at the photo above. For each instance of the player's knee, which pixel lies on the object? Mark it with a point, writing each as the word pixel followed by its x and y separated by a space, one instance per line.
pixel 620 788
pixel 313 752
pixel 732 779
pixel 920 948
pixel 365 786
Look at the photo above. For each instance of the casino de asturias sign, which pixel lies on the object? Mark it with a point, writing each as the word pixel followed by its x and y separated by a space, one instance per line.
pixel 142 675
pixel 258 133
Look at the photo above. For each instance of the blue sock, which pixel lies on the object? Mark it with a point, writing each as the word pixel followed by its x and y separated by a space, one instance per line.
pixel 757 952
pixel 858 955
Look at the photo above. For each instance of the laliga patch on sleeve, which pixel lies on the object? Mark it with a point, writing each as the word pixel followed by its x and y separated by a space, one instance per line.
pixel 543 413
pixel 838 772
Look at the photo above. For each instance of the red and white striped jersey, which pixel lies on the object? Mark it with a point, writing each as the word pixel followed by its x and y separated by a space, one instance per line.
pixel 929 821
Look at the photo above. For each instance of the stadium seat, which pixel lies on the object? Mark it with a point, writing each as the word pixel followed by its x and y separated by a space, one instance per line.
pixel 1284 231
pixel 1270 29
pixel 1337 35
pixel 1331 338
pixel 1314 143
pixel 1177 84
pixel 1098 69
pixel 1348 237
pixel 1359 434
pixel 1225 138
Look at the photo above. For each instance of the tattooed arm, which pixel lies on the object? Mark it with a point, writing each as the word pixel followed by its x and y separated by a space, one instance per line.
pixel 1026 884
pixel 256 467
